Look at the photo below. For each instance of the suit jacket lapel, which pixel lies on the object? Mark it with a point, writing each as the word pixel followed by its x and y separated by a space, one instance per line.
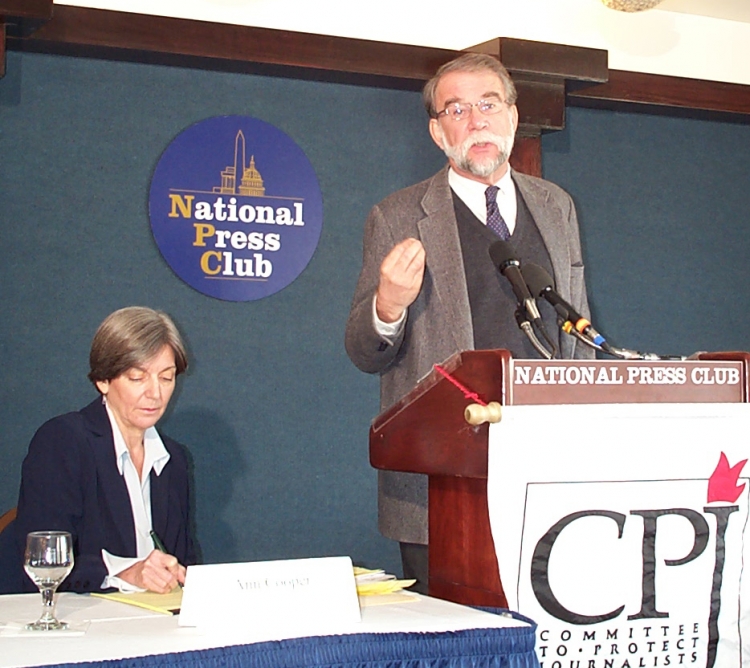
pixel 116 497
pixel 439 234
pixel 550 227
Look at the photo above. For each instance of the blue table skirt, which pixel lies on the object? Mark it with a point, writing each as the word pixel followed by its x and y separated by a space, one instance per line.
pixel 495 648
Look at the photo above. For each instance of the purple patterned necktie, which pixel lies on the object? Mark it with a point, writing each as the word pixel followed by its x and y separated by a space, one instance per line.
pixel 494 220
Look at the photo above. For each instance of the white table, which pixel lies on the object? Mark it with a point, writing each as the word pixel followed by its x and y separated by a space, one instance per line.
pixel 117 631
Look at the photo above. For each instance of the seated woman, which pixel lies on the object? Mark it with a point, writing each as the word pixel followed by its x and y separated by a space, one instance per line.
pixel 106 475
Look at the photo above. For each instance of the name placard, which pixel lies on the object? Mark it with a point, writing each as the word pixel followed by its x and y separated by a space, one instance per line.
pixel 268 592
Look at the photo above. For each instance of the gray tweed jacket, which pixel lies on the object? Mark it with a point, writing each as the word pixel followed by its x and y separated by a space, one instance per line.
pixel 439 321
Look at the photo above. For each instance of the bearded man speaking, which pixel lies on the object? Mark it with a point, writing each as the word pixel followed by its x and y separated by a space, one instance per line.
pixel 428 287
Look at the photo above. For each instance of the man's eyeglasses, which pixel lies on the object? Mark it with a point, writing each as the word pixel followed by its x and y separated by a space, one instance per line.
pixel 460 111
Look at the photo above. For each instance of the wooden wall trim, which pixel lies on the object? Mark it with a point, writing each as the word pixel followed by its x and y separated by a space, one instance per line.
pixel 107 31
pixel 527 155
pixel 21 18
pixel 33 9
pixel 654 90
pixel 541 70
pixel 526 58
pixel 537 67
pixel 542 73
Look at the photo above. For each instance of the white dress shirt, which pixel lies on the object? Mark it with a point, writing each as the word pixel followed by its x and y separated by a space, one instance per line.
pixel 139 491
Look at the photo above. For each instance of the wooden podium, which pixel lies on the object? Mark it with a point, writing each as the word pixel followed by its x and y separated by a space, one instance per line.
pixel 425 432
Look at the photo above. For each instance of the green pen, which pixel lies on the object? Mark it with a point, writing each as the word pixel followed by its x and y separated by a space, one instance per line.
pixel 159 546
pixel 157 542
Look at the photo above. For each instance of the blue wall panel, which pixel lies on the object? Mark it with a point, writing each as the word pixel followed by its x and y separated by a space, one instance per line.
pixel 272 411
pixel 664 205
pixel 274 414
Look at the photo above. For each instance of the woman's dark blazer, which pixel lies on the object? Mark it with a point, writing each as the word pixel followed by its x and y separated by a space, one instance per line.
pixel 70 482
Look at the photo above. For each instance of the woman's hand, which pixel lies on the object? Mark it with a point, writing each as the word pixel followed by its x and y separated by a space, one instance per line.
pixel 159 572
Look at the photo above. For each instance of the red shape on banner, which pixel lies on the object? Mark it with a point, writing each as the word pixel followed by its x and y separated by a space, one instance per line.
pixel 722 485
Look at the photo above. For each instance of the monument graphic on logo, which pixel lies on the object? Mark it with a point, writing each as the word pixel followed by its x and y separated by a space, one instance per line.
pixel 233 228
pixel 251 182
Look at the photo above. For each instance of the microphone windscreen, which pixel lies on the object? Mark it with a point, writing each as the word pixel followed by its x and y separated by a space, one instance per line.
pixel 536 278
pixel 501 253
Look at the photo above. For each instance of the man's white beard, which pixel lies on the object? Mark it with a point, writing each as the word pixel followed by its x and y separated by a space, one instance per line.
pixel 460 154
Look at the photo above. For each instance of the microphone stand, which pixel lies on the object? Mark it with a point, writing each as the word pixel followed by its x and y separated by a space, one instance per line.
pixel 540 326
pixel 526 328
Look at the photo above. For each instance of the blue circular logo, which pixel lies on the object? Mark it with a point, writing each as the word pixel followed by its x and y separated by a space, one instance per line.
pixel 235 208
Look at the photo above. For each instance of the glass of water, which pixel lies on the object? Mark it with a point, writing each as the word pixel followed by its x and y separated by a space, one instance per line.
pixel 48 561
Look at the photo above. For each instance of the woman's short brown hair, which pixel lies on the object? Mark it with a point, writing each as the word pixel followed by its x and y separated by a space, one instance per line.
pixel 130 337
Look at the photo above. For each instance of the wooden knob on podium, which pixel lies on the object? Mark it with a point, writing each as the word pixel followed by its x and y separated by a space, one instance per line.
pixel 476 414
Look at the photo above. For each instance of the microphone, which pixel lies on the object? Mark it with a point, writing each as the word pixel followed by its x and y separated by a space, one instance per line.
pixel 540 283
pixel 503 257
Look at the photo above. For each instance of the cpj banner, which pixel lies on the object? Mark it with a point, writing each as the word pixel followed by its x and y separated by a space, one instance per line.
pixel 622 530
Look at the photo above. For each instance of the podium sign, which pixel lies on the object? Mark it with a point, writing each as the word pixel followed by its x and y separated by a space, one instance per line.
pixel 617 382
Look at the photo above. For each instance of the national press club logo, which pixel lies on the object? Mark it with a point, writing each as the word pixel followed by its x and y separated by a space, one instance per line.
pixel 235 207
pixel 637 574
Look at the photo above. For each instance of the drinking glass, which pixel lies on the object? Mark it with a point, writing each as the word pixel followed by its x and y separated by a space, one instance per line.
pixel 48 561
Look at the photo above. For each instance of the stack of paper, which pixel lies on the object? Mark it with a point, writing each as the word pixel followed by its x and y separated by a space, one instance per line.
pixel 377 582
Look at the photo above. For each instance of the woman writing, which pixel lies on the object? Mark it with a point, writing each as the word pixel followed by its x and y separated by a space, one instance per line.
pixel 106 475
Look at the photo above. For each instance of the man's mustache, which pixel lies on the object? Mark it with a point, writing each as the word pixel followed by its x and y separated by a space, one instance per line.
pixel 483 137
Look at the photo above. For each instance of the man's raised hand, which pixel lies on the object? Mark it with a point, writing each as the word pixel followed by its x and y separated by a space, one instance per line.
pixel 401 275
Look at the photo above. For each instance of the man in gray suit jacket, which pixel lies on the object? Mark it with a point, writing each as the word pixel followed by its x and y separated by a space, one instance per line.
pixel 428 288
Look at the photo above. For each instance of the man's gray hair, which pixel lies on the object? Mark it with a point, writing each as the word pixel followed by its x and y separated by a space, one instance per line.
pixel 469 62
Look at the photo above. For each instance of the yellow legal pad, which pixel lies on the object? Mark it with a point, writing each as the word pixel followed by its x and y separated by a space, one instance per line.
pixel 166 604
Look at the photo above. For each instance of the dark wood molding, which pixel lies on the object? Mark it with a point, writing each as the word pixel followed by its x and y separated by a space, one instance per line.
pixel 546 75
pixel 111 33
pixel 541 71
pixel 527 155
pixel 20 18
pixel 23 17
pixel 545 61
pixel 654 92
